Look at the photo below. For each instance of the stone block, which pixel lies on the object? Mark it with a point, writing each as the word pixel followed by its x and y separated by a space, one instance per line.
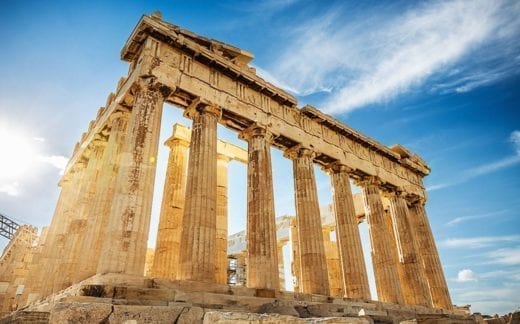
pixel 80 313
pixel 191 315
pixel 278 308
pixel 145 314
pixel 248 318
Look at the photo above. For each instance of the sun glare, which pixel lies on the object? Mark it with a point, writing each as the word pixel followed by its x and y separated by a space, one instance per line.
pixel 17 154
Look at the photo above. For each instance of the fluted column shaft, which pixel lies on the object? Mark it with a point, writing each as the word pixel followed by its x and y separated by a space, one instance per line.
pixel 355 279
pixel 413 281
pixel 262 254
pixel 124 250
pixel 104 193
pixel 197 255
pixel 221 261
pixel 333 264
pixel 430 257
pixel 296 268
pixel 385 267
pixel 167 246
pixel 281 267
pixel 55 236
pixel 312 250
pixel 77 227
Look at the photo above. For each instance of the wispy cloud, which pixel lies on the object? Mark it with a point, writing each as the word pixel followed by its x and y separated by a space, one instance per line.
pixel 57 161
pixel 505 256
pixel 487 168
pixel 360 62
pixel 462 219
pixel 513 275
pixel 478 242
pixel 10 189
pixel 489 300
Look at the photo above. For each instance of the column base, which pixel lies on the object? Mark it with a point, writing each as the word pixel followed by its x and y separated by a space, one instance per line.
pixel 117 298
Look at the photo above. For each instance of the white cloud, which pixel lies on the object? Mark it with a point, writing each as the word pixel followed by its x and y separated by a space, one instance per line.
pixel 505 256
pixel 439 186
pixel 466 275
pixel 513 275
pixel 488 299
pixel 266 75
pixel 487 168
pixel 478 242
pixel 461 219
pixel 371 58
pixel 492 167
pixel 515 139
pixel 57 161
pixel 11 189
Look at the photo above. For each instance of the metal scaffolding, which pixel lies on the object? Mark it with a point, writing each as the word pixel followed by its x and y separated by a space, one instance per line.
pixel 7 227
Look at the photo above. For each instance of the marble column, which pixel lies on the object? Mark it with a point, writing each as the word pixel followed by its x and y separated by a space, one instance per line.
pixel 430 257
pixel 77 228
pixel 355 279
pixel 385 267
pixel 124 249
pixel 296 268
pixel 167 246
pixel 262 255
pixel 51 256
pixel 333 263
pixel 312 251
pixel 281 267
pixel 413 281
pixel 98 214
pixel 221 260
pixel 198 235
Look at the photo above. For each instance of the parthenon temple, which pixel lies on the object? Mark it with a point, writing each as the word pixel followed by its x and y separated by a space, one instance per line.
pixel 89 264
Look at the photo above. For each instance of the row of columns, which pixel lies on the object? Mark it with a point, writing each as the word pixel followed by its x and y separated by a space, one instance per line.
pixel 114 191
pixel 166 259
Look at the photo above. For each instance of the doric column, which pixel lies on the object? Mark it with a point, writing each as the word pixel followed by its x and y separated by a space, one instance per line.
pixel 167 246
pixel 355 279
pixel 50 256
pixel 262 256
pixel 281 267
pixel 385 267
pixel 124 249
pixel 198 236
pixel 430 257
pixel 97 219
pixel 77 226
pixel 222 220
pixel 296 267
pixel 413 281
pixel 333 263
pixel 312 251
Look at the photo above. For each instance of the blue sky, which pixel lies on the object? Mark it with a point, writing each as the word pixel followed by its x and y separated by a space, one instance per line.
pixel 441 78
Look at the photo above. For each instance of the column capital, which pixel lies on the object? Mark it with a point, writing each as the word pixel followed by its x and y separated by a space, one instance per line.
pixel 255 130
pixel 175 141
pixel 369 181
pixel 394 192
pixel 299 151
pixel 223 157
pixel 79 165
pixel 66 178
pixel 121 112
pixel 149 83
pixel 199 106
pixel 337 167
pixel 416 200
pixel 98 141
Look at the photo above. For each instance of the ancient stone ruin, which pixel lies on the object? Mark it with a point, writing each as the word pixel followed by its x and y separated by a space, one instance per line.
pixel 90 265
